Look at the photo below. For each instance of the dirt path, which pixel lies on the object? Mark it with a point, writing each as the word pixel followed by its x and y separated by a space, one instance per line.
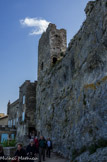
pixel 54 158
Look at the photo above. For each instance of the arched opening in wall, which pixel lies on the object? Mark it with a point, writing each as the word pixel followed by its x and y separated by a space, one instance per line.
pixel 32 132
pixel 42 66
pixel 54 60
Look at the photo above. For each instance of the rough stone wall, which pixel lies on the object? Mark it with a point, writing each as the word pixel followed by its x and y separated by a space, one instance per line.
pixel 53 44
pixel 31 103
pixel 71 97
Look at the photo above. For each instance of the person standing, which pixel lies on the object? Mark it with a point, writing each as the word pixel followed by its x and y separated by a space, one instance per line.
pixel 49 147
pixel 1 154
pixel 36 144
pixel 20 153
pixel 42 146
pixel 31 150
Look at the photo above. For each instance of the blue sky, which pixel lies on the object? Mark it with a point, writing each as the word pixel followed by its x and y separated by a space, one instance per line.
pixel 19 49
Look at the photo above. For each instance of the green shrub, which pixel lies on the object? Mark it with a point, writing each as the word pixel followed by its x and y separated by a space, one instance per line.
pixel 75 153
pixel 92 148
pixel 102 143
pixel 99 144
pixel 9 143
pixel 83 149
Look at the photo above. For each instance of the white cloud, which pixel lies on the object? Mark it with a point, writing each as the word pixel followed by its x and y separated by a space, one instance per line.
pixel 39 25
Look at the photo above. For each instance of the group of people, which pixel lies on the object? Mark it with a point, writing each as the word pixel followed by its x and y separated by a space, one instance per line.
pixel 37 148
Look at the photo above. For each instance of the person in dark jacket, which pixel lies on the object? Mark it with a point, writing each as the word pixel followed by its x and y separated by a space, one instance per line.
pixel 1 154
pixel 31 150
pixel 20 153
pixel 42 147
pixel 49 147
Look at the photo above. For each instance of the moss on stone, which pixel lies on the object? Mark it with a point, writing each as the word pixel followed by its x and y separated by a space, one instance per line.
pixel 93 86
pixel 90 86
pixel 104 79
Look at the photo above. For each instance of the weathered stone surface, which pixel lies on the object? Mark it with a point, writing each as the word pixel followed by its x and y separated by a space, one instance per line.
pixel 72 94
pixel 9 151
pixel 53 44
pixel 99 155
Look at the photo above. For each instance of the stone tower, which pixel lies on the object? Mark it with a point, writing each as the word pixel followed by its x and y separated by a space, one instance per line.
pixel 52 47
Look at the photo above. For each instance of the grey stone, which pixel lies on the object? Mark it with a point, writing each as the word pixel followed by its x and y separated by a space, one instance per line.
pixel 71 94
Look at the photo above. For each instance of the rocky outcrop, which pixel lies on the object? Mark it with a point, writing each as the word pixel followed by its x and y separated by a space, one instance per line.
pixel 71 99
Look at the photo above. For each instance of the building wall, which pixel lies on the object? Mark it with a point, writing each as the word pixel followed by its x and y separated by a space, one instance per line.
pixel 21 113
pixel 2 114
pixel 27 105
pixel 12 111
pixel 4 121
pixel 71 95
pixel 7 133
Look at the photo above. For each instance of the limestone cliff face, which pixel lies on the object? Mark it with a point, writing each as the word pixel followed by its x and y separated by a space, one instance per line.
pixel 72 87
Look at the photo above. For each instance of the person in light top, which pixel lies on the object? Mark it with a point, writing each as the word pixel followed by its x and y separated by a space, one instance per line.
pixel 49 147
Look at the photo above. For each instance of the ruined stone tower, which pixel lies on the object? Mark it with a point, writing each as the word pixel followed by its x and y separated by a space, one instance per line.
pixel 52 47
